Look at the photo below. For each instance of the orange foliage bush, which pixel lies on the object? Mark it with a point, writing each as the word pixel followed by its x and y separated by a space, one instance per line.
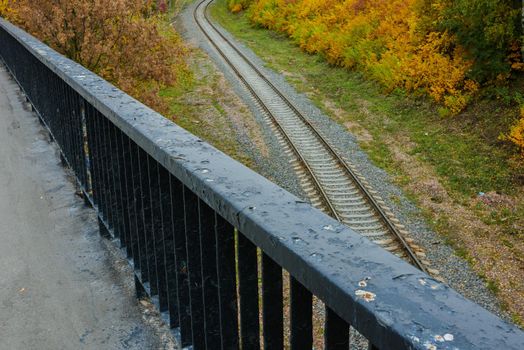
pixel 118 39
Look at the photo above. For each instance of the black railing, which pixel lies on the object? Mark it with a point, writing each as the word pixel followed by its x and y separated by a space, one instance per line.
pixel 209 239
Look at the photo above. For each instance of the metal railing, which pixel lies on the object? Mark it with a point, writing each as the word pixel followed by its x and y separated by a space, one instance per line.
pixel 209 239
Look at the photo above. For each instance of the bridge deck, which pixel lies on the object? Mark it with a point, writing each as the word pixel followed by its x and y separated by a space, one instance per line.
pixel 60 284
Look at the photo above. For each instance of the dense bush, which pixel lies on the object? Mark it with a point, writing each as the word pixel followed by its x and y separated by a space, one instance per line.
pixel 491 33
pixel 399 49
pixel 446 49
pixel 489 30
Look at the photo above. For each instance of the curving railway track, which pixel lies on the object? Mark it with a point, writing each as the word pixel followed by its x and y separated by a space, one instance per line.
pixel 330 181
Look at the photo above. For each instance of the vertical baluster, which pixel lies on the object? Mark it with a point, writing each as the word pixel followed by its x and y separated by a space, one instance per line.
pixel 103 220
pixel 209 275
pixel 43 105
pixel 34 98
pixel 62 126
pixel 157 233
pixel 123 168
pixel 184 310
pixel 191 207
pixel 114 181
pixel 273 317
pixel 106 170
pixel 336 333
pixel 115 184
pixel 101 150
pixel 60 116
pixel 170 271
pixel 84 146
pixel 144 231
pixel 101 197
pixel 248 293
pixel 301 316
pixel 39 107
pixel 34 83
pixel 137 230
pixel 70 136
pixel 79 140
pixel 109 175
pixel 227 292
pixel 78 143
pixel 91 142
pixel 67 134
pixel 43 109
pixel 75 140
pixel 149 195
pixel 54 120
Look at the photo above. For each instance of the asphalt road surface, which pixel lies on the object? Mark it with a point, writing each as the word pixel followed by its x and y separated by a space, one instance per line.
pixel 61 287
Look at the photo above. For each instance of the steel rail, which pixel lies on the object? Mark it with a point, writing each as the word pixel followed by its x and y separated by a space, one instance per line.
pixel 379 211
pixel 297 152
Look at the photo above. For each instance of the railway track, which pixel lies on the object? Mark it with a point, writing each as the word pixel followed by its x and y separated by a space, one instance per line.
pixel 330 181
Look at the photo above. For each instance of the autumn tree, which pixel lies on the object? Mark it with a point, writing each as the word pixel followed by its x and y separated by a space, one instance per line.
pixel 118 39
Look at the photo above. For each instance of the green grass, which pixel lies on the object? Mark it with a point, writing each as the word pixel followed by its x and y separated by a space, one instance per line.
pixel 463 150
pixel 205 115
pixel 492 286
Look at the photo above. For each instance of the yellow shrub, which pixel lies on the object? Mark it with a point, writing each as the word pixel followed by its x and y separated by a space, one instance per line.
pixel 384 39
pixel 516 133
pixel 236 8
